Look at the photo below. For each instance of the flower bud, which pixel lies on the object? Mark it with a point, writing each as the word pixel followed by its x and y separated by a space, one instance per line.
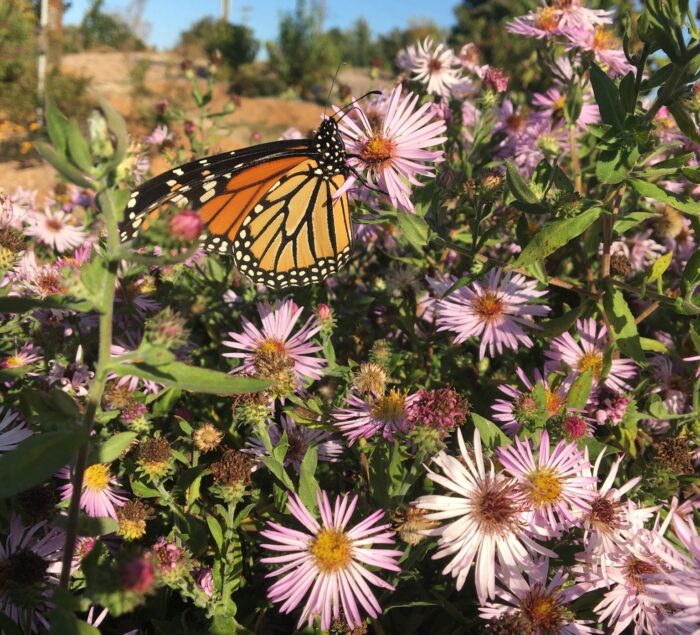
pixel 186 225
pixel 496 79
pixel 136 575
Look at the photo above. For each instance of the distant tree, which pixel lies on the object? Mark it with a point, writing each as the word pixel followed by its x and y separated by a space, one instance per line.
pixel 235 41
pixel 361 48
pixel 303 55
pixel 17 59
pixel 98 28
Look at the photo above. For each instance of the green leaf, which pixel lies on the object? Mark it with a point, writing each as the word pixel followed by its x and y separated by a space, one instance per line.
pixel 216 532
pixel 614 164
pixel 64 167
pixel 77 147
pixel 93 275
pixel 684 121
pixel 654 346
pixel 518 187
pixel 668 166
pixel 17 304
pixel 89 525
pixel 34 460
pixel 491 435
pixel 308 486
pixel 64 622
pixel 679 201
pixel 116 123
pixel 156 356
pixel 278 471
pixel 658 268
pixel 573 104
pixel 193 379
pixel 607 97
pixel 627 93
pixel 414 228
pixel 622 322
pixel 691 274
pixel 111 449
pixel 556 326
pixel 577 398
pixel 56 124
pixel 555 234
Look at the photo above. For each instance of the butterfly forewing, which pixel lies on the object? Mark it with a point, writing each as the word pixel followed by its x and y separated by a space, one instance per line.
pixel 273 207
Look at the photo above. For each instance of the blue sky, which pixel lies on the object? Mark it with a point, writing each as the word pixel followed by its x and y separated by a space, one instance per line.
pixel 169 17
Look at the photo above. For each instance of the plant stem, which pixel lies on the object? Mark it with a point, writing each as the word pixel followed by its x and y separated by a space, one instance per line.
pixel 104 359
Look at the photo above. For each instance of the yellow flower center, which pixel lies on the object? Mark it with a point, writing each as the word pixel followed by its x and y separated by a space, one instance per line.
pixel 131 529
pixel 602 39
pixel 13 361
pixel 332 550
pixel 547 19
pixel 558 105
pixel 271 359
pixel 545 487
pixel 553 402
pixel 489 306
pixel 377 150
pixel 96 477
pixel 592 361
pixel 543 610
pixel 390 407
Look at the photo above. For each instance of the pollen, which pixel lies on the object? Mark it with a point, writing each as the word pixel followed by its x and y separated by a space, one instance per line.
pixel 545 487
pixel 488 306
pixel 603 39
pixel 553 402
pixel 332 550
pixel 547 19
pixel 592 361
pixel 96 477
pixel 271 359
pixel 377 150
pixel 391 407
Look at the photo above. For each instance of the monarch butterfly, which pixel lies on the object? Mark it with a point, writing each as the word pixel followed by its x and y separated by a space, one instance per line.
pixel 270 206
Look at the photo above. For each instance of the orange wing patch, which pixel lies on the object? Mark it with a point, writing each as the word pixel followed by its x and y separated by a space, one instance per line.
pixel 224 214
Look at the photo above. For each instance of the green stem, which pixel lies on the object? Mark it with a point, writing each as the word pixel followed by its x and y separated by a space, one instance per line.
pixel 666 92
pixel 104 359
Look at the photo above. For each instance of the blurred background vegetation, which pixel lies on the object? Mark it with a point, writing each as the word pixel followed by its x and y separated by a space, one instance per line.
pixel 299 63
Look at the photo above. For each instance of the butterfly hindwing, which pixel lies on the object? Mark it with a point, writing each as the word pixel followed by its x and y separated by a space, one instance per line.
pixel 297 233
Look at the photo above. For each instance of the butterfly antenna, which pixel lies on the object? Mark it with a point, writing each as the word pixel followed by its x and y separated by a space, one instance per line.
pixel 330 92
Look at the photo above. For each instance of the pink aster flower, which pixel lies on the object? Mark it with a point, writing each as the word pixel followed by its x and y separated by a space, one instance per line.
pixel 494 309
pixel 542 23
pixel 488 519
pixel 553 483
pixel 541 604
pixel 435 66
pixel 612 519
pixel 646 585
pixel 136 295
pixel 393 152
pixel 589 353
pixel 602 43
pixel 300 438
pixel 56 229
pixel 363 418
pixel 521 406
pixel 22 357
pixel 274 350
pixel 100 494
pixel 159 136
pixel 328 564
pixel 13 430
pixel 550 104
pixel 29 558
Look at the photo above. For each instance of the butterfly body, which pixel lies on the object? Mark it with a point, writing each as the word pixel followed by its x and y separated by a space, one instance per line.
pixel 274 207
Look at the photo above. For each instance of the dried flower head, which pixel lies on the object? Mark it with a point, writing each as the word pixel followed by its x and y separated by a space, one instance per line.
pixel 154 457
pixel 207 437
pixel 132 519
pixel 370 379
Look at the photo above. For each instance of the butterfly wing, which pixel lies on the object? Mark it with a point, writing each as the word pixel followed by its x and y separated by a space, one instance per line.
pixel 193 184
pixel 296 233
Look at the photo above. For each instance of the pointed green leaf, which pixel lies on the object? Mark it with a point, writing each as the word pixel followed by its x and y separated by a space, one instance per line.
pixel 308 486
pixel 577 398
pixel 78 148
pixel 607 97
pixel 659 267
pixel 193 379
pixel 34 460
pixel 111 449
pixel 414 228
pixel 491 435
pixel 679 201
pixel 64 167
pixel 622 322
pixel 555 234
pixel 518 187
pixel 56 124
